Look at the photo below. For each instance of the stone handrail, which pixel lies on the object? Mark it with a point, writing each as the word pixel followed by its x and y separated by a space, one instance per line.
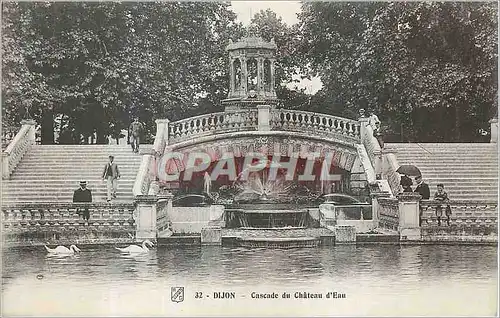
pixel 388 213
pixel 295 120
pixel 369 141
pixel 15 151
pixel 8 134
pixel 214 123
pixel 464 213
pixel 26 216
pixel 144 176
pixel 389 166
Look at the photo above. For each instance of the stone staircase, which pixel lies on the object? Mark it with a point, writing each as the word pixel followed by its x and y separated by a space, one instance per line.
pixel 50 173
pixel 469 171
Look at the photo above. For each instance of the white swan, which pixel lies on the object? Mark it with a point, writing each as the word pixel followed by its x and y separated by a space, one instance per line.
pixel 63 250
pixel 136 248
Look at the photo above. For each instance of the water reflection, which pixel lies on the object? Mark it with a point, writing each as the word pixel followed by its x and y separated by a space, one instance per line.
pixel 389 271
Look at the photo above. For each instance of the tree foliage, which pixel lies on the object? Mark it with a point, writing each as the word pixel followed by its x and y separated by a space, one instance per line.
pixel 428 67
pixel 98 64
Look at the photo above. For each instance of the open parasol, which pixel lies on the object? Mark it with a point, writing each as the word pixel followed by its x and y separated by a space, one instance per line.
pixel 409 170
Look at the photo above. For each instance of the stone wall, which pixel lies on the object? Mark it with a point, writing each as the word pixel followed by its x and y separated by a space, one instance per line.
pixel 189 220
pixel 361 226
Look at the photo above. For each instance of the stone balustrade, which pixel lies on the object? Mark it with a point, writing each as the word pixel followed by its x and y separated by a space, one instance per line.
pixel 17 148
pixel 60 223
pixel 8 134
pixel 214 123
pixel 388 213
pixel 279 119
pixel 369 141
pixel 465 214
pixel 389 166
pixel 144 175
pixel 323 124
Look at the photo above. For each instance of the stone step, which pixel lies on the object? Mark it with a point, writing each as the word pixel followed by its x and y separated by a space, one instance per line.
pixel 55 183
pixel 49 200
pixel 473 162
pixel 87 158
pixel 48 178
pixel 80 166
pixel 88 147
pixel 478 173
pixel 454 160
pixel 50 192
pixel 68 172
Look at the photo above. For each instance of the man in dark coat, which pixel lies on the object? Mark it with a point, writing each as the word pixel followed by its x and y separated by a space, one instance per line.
pixel 135 131
pixel 422 188
pixel 83 195
pixel 406 183
pixel 111 174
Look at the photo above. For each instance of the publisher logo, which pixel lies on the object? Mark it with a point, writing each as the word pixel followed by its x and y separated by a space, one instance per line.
pixel 177 294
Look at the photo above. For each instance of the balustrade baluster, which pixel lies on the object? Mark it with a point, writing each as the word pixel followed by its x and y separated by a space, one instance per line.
pixel 315 122
pixel 183 129
pixel 211 122
pixel 309 121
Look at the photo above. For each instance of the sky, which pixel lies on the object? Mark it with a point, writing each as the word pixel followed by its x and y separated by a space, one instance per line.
pixel 288 11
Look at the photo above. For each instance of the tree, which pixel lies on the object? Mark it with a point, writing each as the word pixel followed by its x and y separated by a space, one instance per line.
pixel 427 67
pixel 267 25
pixel 98 64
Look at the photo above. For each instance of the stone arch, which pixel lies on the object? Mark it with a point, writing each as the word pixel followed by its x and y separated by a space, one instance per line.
pixel 343 156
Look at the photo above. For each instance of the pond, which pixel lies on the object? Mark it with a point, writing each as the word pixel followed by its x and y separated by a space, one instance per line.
pixel 387 280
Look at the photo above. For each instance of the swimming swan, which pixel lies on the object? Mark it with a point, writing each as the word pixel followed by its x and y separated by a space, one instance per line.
pixel 136 248
pixel 63 249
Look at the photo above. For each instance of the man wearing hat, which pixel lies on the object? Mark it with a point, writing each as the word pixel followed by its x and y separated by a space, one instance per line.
pixel 83 195
pixel 111 174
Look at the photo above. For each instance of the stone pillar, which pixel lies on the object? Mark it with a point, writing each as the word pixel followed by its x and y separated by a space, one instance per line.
pixel 378 164
pixel 375 206
pixel 259 75
pixel 494 130
pixel 244 75
pixel 271 61
pixel 145 217
pixel 231 76
pixel 409 216
pixel 264 117
pixel 162 136
pixel 163 213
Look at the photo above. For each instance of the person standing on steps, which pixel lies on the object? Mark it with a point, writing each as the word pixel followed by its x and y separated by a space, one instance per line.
pixel 422 188
pixel 442 197
pixel 135 131
pixel 373 121
pixel 83 194
pixel 111 173
pixel 406 183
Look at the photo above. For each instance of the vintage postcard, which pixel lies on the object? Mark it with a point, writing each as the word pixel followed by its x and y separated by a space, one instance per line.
pixel 249 158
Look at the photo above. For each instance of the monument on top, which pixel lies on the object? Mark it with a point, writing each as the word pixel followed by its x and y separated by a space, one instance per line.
pixel 252 73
